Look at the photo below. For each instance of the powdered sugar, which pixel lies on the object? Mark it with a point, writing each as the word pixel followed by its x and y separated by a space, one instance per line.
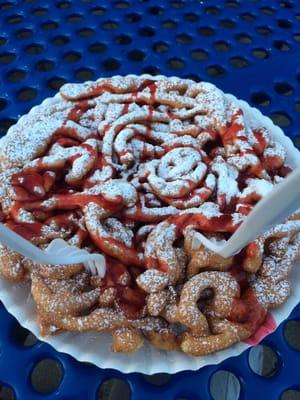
pixel 195 150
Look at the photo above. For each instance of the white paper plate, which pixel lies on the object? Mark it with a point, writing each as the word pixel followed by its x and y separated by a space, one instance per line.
pixel 95 348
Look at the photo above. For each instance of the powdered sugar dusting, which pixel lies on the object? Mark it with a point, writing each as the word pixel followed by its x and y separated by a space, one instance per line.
pixel 130 166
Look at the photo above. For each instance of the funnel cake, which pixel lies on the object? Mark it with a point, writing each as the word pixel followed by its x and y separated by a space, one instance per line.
pixel 132 167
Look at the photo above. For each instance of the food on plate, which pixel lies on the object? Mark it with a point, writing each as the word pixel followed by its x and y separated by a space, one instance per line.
pixel 131 167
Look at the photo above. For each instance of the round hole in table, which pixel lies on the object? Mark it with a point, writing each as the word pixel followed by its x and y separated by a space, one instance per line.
pixel 44 65
pixel 191 17
pixel 49 25
pixel 199 55
pixel 175 63
pixel 39 12
pixel 123 40
pixel 282 45
pixel 5 123
pixel 136 55
pixel 227 24
pixel 223 384
pixel 6 393
pixel 34 49
pixel 27 94
pixel 86 32
pixel 111 64
pixel 215 70
pixel 248 17
pixel 296 36
pixel 72 57
pixel 133 17
pixel 267 10
pixel 194 77
pixel 212 10
pixel 151 70
pixel 263 360
pixel 3 41
pixel 160 47
pixel 146 31
pixel 3 104
pixel 168 24
pixel 74 18
pixel 283 88
pixel 46 375
pixel 60 40
pixel 121 4
pixel 292 328
pixel 6 58
pixel 14 19
pixel 158 379
pixel 260 53
pixel 55 83
pixel 84 74
pixel 110 25
pixel 232 4
pixel 95 48
pixel 16 75
pixel 222 46
pixel 98 11
pixel 238 62
pixel 23 33
pixel 261 99
pixel 263 30
pixel 6 6
pixel 183 38
pixel 156 10
pixel 281 119
pixel 290 394
pixel 63 5
pixel 285 4
pixel 114 389
pixel 283 23
pixel 206 31
pixel 243 38
pixel 23 337
pixel 177 4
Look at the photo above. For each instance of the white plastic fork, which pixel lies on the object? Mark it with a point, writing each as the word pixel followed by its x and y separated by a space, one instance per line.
pixel 58 252
pixel 281 202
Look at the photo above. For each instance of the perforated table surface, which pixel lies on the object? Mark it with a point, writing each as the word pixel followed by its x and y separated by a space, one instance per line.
pixel 248 48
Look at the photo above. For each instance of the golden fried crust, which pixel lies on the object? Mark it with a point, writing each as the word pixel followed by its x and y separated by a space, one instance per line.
pixel 225 335
pixel 54 271
pixel 126 340
pixel 164 340
pixel 132 168
pixel 203 259
pixel 11 265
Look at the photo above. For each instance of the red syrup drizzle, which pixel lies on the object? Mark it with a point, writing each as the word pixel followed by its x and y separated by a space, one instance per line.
pixel 248 312
pixel 263 330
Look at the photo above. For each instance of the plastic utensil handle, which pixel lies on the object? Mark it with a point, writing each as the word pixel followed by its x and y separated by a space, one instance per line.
pixel 15 242
pixel 282 201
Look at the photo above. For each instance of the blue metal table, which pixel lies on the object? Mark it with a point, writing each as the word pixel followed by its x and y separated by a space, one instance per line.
pixel 250 48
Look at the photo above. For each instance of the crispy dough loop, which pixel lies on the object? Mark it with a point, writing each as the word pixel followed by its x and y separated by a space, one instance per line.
pixel 133 167
pixel 12 267
pixel 126 340
pixel 225 289
pixel 59 303
pixel 54 271
pixel 224 334
pixel 203 259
